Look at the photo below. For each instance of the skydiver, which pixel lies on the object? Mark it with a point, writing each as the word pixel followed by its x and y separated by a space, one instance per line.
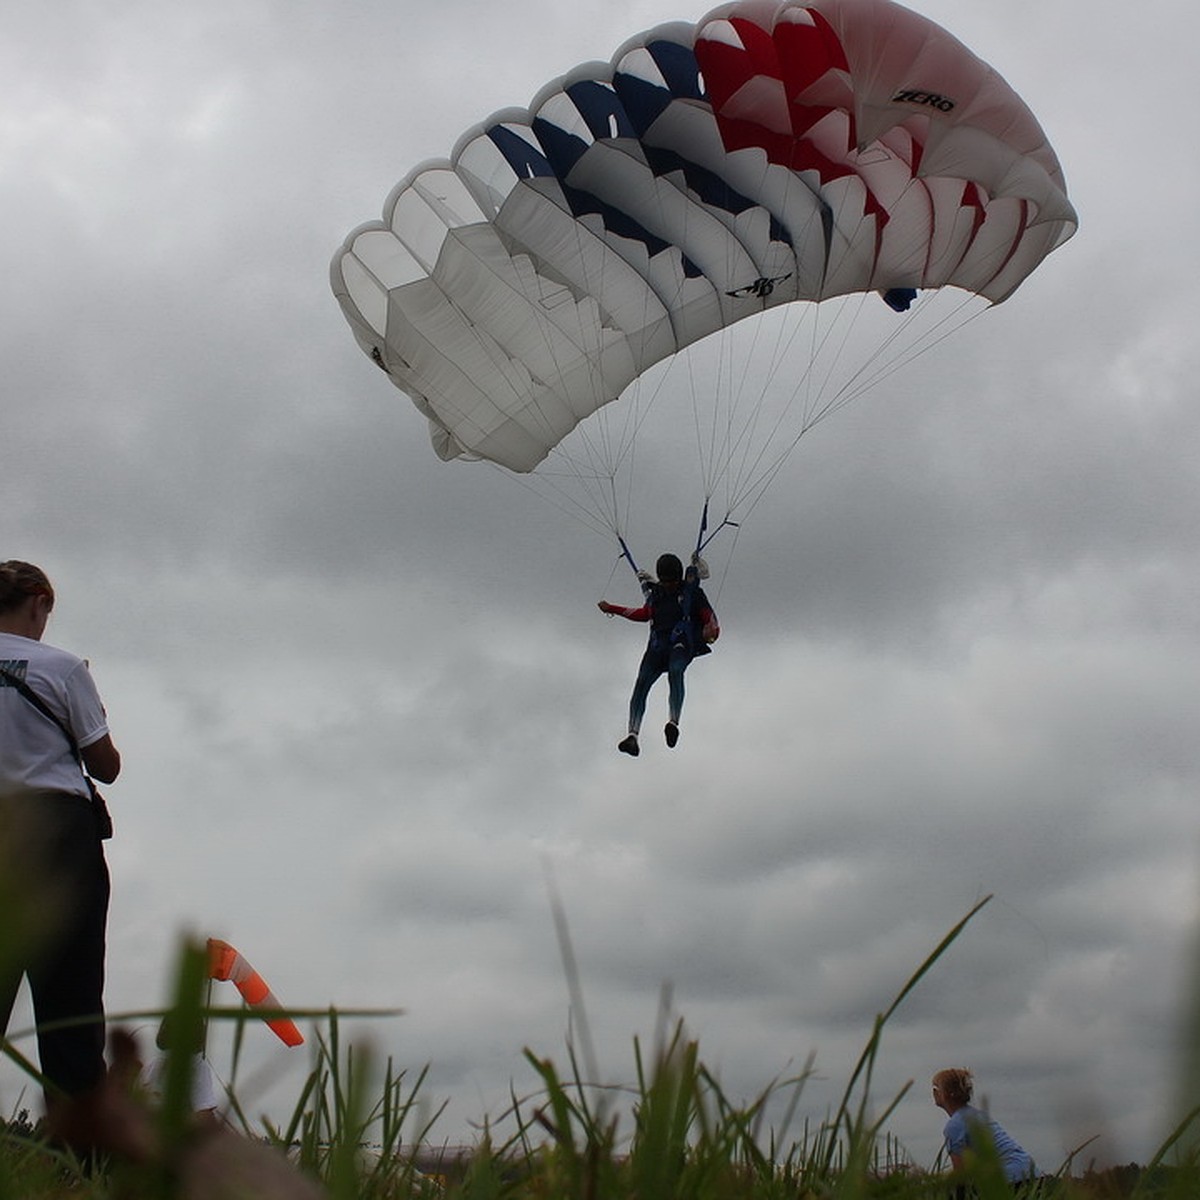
pixel 682 627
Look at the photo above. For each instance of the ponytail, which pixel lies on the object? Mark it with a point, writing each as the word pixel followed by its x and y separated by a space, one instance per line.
pixel 20 580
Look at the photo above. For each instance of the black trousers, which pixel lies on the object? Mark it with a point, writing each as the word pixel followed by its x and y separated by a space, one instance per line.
pixel 54 892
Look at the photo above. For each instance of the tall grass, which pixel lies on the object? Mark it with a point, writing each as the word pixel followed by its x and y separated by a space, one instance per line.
pixel 361 1130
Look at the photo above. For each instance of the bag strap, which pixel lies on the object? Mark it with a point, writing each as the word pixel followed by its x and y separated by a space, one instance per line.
pixel 21 686
pixel 104 823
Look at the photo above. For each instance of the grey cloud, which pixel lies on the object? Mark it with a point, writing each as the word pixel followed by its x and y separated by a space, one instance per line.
pixel 365 697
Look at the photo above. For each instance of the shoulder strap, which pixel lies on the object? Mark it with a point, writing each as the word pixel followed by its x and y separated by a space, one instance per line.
pixel 687 594
pixel 104 823
pixel 21 686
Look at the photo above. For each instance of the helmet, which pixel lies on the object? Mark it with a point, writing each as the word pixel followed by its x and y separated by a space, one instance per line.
pixel 669 568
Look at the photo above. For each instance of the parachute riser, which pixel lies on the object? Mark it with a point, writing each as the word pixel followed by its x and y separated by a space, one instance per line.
pixel 703 539
pixel 704 544
pixel 625 554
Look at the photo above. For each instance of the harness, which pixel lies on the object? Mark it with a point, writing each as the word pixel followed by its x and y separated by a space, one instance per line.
pixel 682 633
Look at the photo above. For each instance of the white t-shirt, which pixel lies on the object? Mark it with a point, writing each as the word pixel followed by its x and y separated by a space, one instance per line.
pixel 204 1087
pixel 34 755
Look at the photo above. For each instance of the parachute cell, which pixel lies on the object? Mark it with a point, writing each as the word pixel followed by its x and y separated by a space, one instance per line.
pixel 226 964
pixel 770 153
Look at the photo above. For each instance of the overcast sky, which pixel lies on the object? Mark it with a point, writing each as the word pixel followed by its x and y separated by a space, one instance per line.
pixel 366 702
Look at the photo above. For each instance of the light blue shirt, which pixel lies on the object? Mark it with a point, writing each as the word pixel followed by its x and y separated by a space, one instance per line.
pixel 962 1132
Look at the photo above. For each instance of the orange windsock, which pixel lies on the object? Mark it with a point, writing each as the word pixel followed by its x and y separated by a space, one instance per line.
pixel 225 963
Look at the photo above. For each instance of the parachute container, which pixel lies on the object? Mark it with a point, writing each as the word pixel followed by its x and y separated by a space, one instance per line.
pixel 226 964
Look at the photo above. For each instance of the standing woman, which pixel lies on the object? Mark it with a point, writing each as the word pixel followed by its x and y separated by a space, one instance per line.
pixel 54 885
pixel 952 1089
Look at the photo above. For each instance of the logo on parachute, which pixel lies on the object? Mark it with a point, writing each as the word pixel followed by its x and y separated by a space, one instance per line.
pixel 762 287
pixel 931 99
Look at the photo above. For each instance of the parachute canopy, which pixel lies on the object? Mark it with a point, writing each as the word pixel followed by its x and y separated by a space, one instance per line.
pixel 225 963
pixel 770 153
